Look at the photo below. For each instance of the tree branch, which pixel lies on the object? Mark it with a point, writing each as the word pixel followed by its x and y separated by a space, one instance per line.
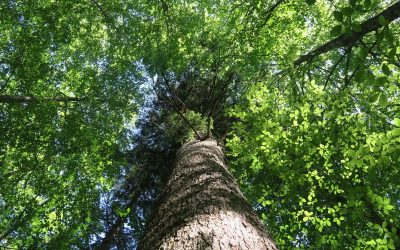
pixel 114 230
pixel 390 14
pixel 106 16
pixel 269 12
pixel 184 118
pixel 30 99
pixel 18 219
pixel 171 104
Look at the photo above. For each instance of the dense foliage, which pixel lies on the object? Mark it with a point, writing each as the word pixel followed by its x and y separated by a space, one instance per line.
pixel 56 157
pixel 305 94
pixel 325 144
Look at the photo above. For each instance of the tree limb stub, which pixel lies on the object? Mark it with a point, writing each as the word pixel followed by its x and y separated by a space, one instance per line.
pixel 390 14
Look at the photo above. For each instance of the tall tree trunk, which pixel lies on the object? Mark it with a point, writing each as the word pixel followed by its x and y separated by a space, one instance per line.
pixel 203 207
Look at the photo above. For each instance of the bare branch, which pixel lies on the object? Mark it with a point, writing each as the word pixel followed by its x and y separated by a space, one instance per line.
pixel 184 118
pixel 169 102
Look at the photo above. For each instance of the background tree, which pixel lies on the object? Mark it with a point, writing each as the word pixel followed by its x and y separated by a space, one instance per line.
pixel 58 156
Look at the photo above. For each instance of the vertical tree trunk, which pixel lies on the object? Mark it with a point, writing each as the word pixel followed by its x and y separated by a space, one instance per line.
pixel 203 208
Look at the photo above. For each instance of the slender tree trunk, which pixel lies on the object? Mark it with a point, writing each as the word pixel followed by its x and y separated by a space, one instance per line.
pixel 203 207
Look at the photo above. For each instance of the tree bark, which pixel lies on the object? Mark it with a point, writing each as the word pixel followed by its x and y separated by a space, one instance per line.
pixel 203 208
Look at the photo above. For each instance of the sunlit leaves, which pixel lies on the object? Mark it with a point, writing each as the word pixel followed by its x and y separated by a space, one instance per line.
pixel 327 160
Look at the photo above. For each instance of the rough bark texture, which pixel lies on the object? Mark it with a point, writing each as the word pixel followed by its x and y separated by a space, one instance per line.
pixel 203 207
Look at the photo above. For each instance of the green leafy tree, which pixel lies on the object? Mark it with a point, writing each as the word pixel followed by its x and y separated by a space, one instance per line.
pixel 66 95
pixel 306 93
pixel 325 141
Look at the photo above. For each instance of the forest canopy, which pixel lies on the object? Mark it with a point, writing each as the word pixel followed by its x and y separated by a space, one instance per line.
pixel 96 96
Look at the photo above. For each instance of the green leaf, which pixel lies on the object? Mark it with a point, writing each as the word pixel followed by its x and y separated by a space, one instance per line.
pixel 382 20
pixel 394 133
pixel 336 31
pixel 380 81
pixel 267 203
pixel 263 216
pixel 387 208
pixel 392 53
pixel 385 69
pixel 347 11
pixel 338 16
pixel 379 36
pixel 310 2
pixel 356 27
pixel 396 122
pixel 364 52
pixel 383 100
pixel 337 221
pixel 391 244
pixel 360 76
pixel 389 36
pixel 370 77
pixel 367 4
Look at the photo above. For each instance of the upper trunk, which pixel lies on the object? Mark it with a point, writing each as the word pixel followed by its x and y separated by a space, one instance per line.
pixel 203 208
